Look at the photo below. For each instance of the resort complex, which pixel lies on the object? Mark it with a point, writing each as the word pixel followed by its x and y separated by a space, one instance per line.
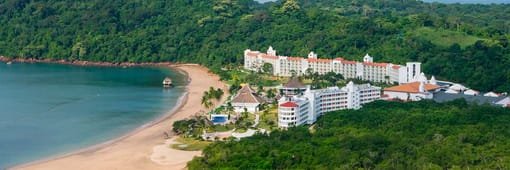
pixel 301 105
pixel 296 108
pixel 366 70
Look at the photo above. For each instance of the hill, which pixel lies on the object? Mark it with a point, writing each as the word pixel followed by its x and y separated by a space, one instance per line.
pixel 470 1
pixel 444 38
pixel 382 135
pixel 215 33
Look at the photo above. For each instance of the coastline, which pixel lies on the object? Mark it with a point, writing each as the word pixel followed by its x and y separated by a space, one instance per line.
pixel 133 150
pixel 83 63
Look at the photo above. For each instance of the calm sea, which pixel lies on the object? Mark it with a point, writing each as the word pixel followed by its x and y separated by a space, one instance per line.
pixel 50 109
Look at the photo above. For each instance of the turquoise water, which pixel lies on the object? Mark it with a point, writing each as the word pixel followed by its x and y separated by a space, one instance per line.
pixel 50 109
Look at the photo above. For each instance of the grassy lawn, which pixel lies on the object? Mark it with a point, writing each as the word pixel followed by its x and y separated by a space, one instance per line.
pixel 445 38
pixel 243 77
pixel 241 130
pixel 189 144
pixel 266 118
pixel 223 128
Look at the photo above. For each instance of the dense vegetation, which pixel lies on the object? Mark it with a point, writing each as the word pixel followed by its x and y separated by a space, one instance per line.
pixel 215 33
pixel 415 135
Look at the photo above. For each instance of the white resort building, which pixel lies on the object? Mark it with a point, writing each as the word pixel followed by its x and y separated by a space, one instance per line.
pixel 300 109
pixel 420 88
pixel 246 100
pixel 366 70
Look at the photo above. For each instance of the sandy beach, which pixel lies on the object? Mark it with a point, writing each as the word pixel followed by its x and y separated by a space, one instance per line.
pixel 134 150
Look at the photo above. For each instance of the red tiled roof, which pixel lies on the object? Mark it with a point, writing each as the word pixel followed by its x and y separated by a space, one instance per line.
pixel 339 59
pixel 396 67
pixel 269 56
pixel 319 60
pixel 348 62
pixel 252 54
pixel 413 87
pixel 375 64
pixel 294 58
pixel 289 104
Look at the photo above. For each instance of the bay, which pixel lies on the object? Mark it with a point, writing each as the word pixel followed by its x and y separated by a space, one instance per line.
pixel 50 109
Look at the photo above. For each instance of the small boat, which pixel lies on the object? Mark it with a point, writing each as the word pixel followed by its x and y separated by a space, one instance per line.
pixel 167 82
pixel 9 62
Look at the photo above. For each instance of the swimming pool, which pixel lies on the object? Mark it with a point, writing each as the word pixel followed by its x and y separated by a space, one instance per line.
pixel 218 119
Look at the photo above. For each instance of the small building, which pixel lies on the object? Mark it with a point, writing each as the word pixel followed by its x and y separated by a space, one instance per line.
pixel 292 87
pixel 505 102
pixel 246 100
pixel 414 91
pixel 451 91
pixel 471 92
pixel 458 87
pixel 167 81
pixel 492 94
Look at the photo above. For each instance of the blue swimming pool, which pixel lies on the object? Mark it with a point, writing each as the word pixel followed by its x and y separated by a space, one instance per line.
pixel 219 119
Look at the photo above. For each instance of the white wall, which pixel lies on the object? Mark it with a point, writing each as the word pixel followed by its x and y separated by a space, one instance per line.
pixel 239 107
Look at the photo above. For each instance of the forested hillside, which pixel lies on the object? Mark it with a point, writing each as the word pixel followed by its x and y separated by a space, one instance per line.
pixel 472 47
pixel 381 135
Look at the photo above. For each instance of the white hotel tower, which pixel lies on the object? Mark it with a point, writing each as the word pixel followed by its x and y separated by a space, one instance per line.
pixel 366 70
pixel 299 109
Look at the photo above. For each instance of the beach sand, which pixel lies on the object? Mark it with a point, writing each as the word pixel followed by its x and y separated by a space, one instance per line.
pixel 134 150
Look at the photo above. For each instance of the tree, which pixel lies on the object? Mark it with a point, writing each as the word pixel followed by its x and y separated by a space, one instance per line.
pixel 332 78
pixel 206 100
pixel 183 126
pixel 370 138
pixel 267 68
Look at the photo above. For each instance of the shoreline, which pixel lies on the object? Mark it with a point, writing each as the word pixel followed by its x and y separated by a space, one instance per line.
pixel 180 102
pixel 135 142
pixel 84 63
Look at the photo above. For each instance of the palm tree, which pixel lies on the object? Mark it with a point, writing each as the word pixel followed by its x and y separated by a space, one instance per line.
pixel 230 108
pixel 206 100
pixel 218 94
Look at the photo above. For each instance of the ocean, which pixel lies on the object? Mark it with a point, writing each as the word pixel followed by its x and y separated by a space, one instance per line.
pixel 48 110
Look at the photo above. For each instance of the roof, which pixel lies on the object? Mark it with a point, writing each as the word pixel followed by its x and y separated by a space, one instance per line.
pixel 396 67
pixel 294 83
pixel 504 101
pixel 247 95
pixel 471 91
pixel 252 54
pixel 318 60
pixel 349 62
pixel 294 58
pixel 375 64
pixel 492 94
pixel 339 59
pixel 413 87
pixel 458 87
pixel 289 104
pixel 444 97
pixel 452 91
pixel 269 56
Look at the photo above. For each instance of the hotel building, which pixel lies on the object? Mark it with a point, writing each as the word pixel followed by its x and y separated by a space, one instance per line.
pixel 366 70
pixel 300 109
